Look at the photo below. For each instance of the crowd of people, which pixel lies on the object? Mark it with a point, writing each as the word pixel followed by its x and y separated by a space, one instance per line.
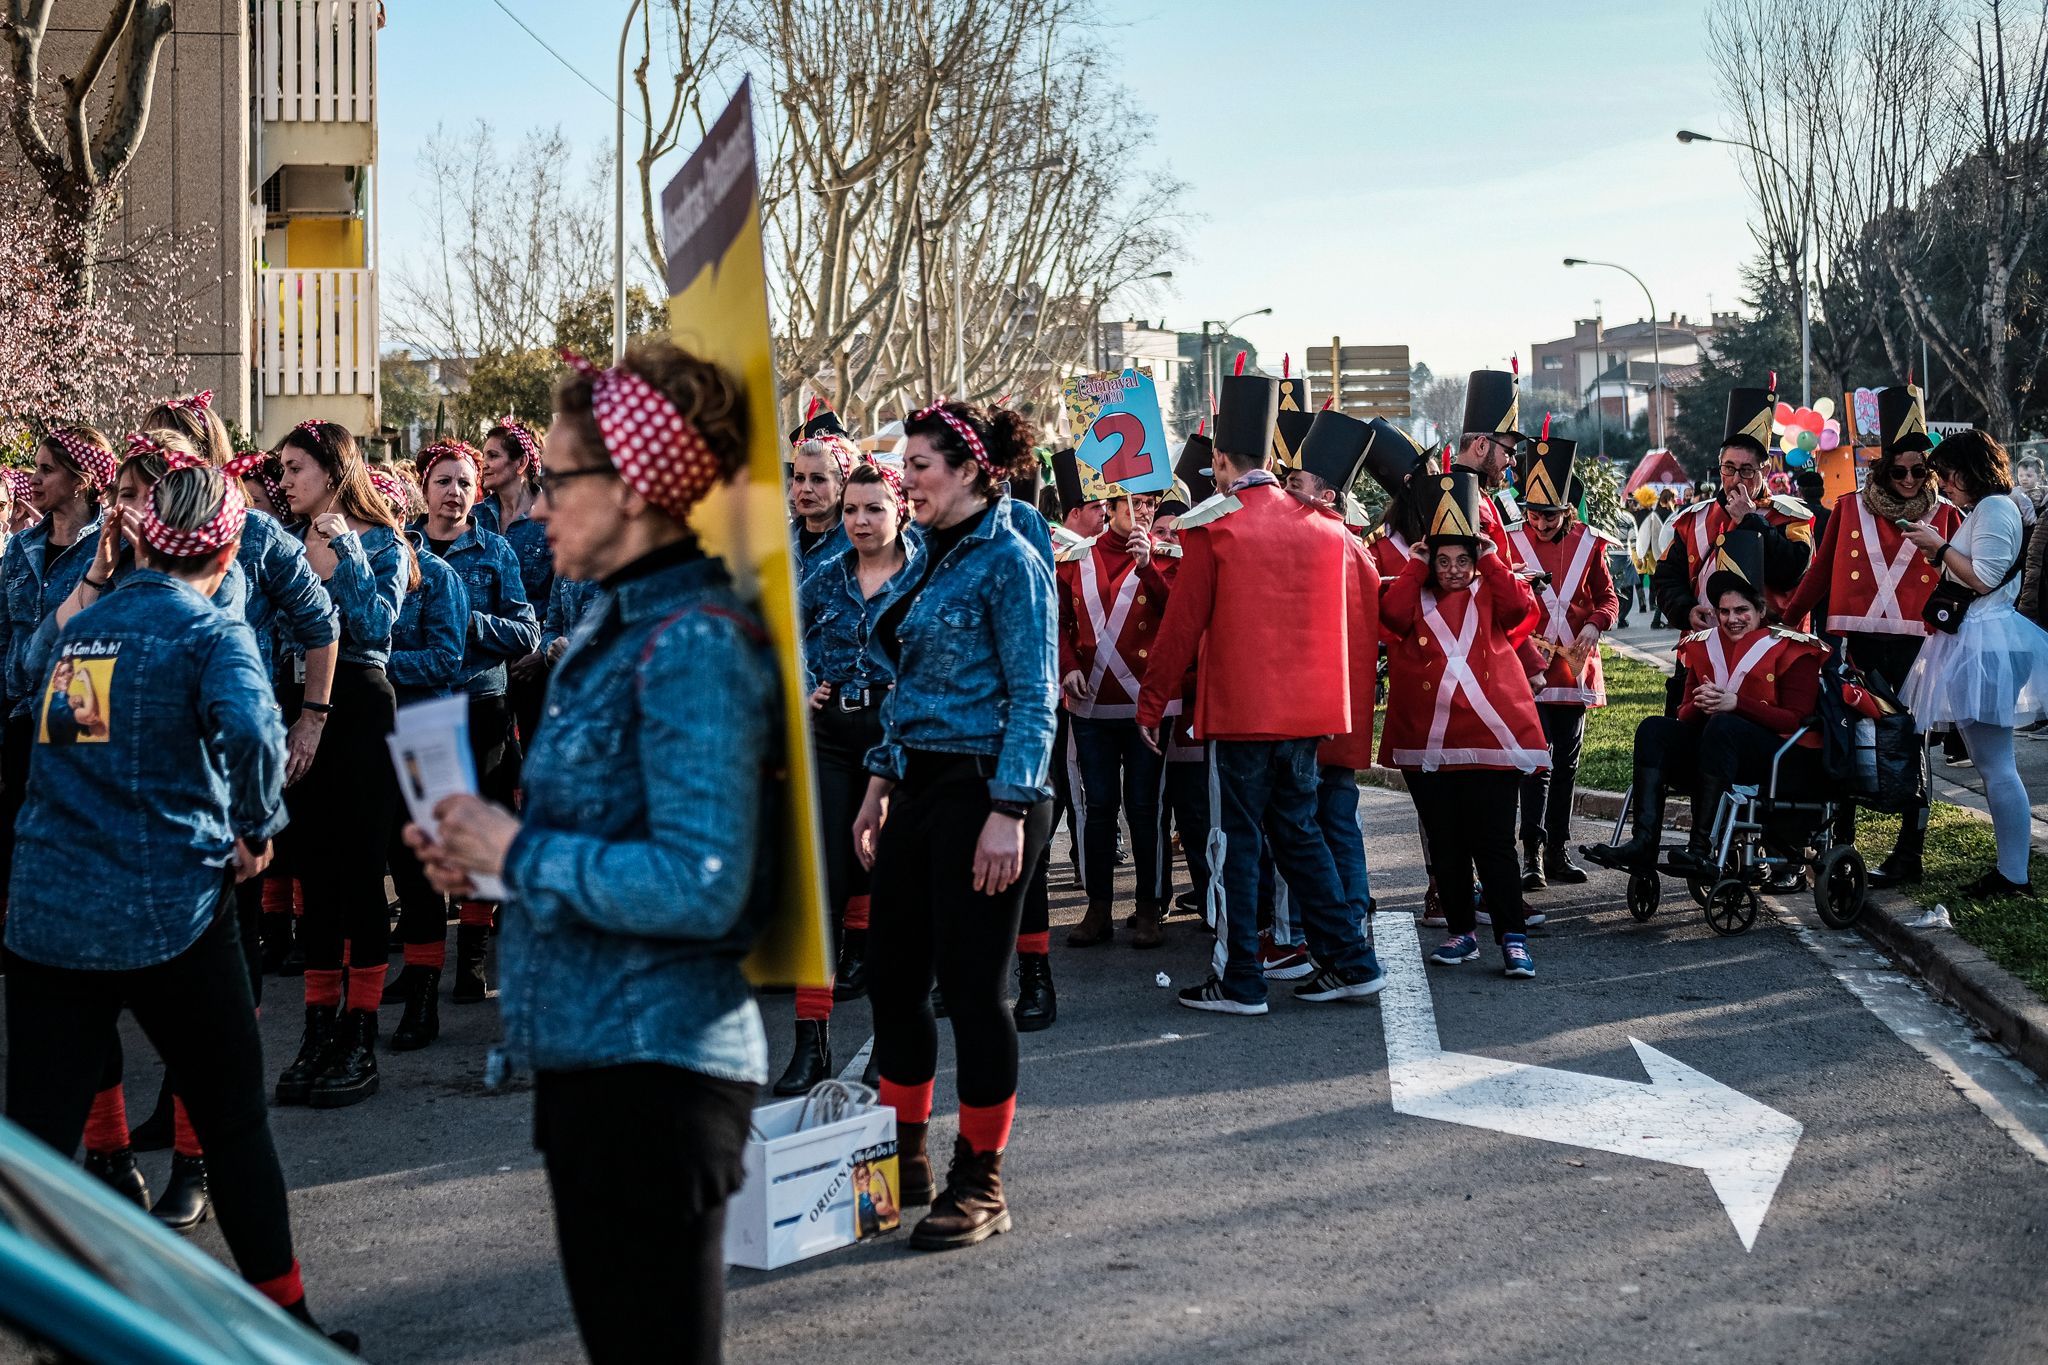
pixel 203 650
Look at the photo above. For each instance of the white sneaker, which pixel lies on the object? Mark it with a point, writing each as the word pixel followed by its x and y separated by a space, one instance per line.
pixel 1532 918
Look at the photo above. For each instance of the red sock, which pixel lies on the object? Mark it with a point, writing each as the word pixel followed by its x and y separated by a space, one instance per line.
pixel 285 1290
pixel 814 1002
pixel 106 1123
pixel 474 912
pixel 366 987
pixel 987 1127
pixel 277 896
pixel 433 954
pixel 184 1141
pixel 856 912
pixel 323 987
pixel 1039 943
pixel 912 1103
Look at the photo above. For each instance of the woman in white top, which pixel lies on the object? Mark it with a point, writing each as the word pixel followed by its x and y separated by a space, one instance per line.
pixel 1991 675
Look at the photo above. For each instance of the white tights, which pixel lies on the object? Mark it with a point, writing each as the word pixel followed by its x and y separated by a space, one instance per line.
pixel 2012 818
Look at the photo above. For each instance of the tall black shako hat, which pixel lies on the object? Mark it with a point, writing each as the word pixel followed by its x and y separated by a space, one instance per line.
pixel 1901 420
pixel 1193 467
pixel 1749 419
pixel 1738 563
pixel 1291 423
pixel 1334 448
pixel 819 420
pixel 1454 517
pixel 1543 470
pixel 1077 483
pixel 1493 403
pixel 1391 455
pixel 1246 409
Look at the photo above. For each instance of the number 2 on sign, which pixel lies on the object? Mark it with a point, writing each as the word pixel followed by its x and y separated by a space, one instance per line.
pixel 1127 431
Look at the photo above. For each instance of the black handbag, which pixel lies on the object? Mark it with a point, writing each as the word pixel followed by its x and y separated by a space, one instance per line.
pixel 1880 761
pixel 1950 601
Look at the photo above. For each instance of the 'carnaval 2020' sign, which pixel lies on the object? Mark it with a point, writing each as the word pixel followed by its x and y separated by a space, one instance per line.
pixel 1122 433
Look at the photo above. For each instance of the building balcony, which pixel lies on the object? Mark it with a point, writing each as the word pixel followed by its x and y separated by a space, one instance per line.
pixel 316 82
pixel 318 348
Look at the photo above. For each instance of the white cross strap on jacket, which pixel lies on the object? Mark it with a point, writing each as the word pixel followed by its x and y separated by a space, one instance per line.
pixel 1750 655
pixel 1557 597
pixel 1886 616
pixel 1459 678
pixel 1109 628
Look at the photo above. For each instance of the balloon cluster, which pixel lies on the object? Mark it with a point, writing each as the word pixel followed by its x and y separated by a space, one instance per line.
pixel 1802 431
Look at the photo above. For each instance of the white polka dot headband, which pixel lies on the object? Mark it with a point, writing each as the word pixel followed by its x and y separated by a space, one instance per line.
pixel 655 449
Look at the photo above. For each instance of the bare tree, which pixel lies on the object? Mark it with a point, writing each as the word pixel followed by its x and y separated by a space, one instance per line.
pixel 697 32
pixel 82 168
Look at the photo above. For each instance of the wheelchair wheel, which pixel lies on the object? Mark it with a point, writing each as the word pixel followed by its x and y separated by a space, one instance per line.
pixel 1732 907
pixel 1702 889
pixel 1643 892
pixel 1838 886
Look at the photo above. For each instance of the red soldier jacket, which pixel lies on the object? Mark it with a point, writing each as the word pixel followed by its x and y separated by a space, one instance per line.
pixel 1693 535
pixel 1389 556
pixel 1362 638
pixel 1875 581
pixel 1580 593
pixel 1774 673
pixel 1456 694
pixel 1258 597
pixel 1110 611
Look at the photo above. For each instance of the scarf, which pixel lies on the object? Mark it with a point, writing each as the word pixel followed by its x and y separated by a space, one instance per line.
pixel 1882 501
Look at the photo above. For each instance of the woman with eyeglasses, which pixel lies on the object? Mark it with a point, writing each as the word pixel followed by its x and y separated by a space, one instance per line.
pixel 1990 675
pixel 1872 583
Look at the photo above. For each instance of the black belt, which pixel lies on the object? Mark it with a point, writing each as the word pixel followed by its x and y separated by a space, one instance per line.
pixel 857 698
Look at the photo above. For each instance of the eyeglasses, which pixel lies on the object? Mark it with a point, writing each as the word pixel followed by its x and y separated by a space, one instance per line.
pixel 1911 471
pixel 1740 471
pixel 552 479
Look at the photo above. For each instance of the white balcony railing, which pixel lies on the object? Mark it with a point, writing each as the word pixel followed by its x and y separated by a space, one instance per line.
pixel 316 59
pixel 319 331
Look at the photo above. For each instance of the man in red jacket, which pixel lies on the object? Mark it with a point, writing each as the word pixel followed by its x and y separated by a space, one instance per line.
pixel 1263 578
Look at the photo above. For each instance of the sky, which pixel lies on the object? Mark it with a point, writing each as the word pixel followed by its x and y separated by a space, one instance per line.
pixel 1384 172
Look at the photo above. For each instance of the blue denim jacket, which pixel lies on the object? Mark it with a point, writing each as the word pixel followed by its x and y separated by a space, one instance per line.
pixel 529 541
pixel 976 668
pixel 232 597
pixel 27 596
pixel 639 870
pixel 285 595
pixel 427 642
pixel 367 589
pixel 502 624
pixel 130 823
pixel 568 600
pixel 839 624
pixel 835 540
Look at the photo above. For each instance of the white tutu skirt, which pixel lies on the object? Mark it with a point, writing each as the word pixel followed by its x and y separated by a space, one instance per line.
pixel 1992 671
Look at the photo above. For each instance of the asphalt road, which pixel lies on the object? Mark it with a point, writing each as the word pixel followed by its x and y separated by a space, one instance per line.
pixel 1189 1186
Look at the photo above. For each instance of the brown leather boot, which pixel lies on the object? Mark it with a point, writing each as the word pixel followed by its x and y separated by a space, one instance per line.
pixel 972 1209
pixel 1097 926
pixel 1145 926
pixel 913 1166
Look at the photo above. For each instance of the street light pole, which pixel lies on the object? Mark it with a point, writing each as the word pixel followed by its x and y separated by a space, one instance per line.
pixel 1656 351
pixel 1223 331
pixel 619 219
pixel 1686 135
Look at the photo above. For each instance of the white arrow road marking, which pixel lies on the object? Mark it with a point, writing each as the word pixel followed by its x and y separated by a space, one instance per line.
pixel 1680 1116
pixel 853 1069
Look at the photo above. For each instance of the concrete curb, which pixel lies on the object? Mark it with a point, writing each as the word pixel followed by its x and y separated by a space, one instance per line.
pixel 1956 970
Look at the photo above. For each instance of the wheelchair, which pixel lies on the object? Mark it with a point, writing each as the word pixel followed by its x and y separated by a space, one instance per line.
pixel 1750 824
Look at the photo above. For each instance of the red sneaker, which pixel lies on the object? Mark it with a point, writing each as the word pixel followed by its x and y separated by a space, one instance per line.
pixel 1283 961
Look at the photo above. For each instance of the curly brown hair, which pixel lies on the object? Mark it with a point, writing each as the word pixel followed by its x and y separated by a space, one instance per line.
pixel 1005 434
pixel 710 399
pixel 1976 462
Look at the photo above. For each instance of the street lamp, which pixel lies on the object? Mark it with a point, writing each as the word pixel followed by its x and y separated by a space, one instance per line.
pixel 1686 135
pixel 1656 352
pixel 1223 329
pixel 1102 328
pixel 619 223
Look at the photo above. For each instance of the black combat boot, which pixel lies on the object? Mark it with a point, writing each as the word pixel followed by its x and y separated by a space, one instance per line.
pixel 1638 853
pixel 116 1170
pixel 1558 866
pixel 810 1061
pixel 472 987
pixel 421 1022
pixel 1532 865
pixel 850 976
pixel 350 1073
pixel 295 1085
pixel 183 1204
pixel 1037 1004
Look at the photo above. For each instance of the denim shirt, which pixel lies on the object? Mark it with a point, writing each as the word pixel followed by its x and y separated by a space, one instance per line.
pixel 427 642
pixel 129 826
pixel 27 596
pixel 835 540
pixel 977 661
pixel 568 600
pixel 367 589
pixel 637 875
pixel 839 624
pixel 502 624
pixel 285 596
pixel 529 541
pixel 232 597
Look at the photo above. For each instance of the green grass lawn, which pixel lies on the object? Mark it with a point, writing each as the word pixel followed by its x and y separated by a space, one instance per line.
pixel 1634 690
pixel 2012 930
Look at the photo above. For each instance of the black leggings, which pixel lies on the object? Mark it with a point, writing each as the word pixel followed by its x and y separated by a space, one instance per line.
pixel 927 920
pixel 17 742
pixel 1468 823
pixel 643 1243
pixel 196 1010
pixel 1547 792
pixel 842 740
pixel 341 821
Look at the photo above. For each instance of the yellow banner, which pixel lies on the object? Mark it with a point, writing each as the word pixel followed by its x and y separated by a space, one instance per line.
pixel 718 309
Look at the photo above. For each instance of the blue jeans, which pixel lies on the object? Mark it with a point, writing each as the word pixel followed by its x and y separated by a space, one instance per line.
pixel 1266 790
pixel 1337 813
pixel 1119 772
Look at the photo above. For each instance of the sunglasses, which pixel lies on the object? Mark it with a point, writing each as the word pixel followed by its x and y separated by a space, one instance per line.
pixel 1911 471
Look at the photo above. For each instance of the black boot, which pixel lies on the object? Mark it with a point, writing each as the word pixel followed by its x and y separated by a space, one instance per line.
pixel 277 944
pixel 343 1338
pixel 1640 852
pixel 158 1131
pixel 850 976
pixel 472 987
pixel 1903 863
pixel 1037 1004
pixel 295 1085
pixel 1559 867
pixel 421 1022
pixel 810 1062
pixel 1697 857
pixel 350 1075
pixel 1532 865
pixel 116 1170
pixel 184 1203
pixel 401 989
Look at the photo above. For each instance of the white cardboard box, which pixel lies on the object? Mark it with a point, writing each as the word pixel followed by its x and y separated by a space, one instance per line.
pixel 799 1196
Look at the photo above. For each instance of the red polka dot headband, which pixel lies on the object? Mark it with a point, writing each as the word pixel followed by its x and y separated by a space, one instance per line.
pixel 256 464
pixel 19 483
pixel 529 449
pixel 95 462
pixel 198 402
pixel 655 449
pixel 450 450
pixel 841 448
pixel 395 490
pixel 139 444
pixel 219 530
pixel 964 429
